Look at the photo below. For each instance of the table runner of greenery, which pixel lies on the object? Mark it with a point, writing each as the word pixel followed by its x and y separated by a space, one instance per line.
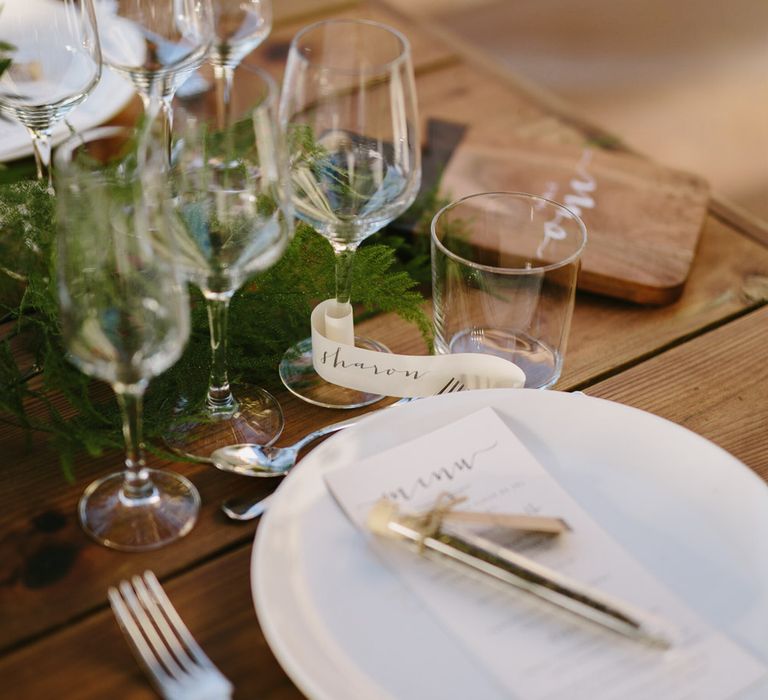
pixel 267 316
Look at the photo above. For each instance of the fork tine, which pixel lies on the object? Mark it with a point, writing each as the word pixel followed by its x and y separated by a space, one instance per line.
pixel 162 644
pixel 175 620
pixel 137 641
pixel 150 631
pixel 450 386
pixel 160 622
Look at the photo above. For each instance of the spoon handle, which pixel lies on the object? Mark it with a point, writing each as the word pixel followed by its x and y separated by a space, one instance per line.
pixel 325 430
pixel 246 509
pixel 333 427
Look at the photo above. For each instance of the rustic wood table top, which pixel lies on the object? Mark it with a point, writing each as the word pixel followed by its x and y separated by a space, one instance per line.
pixel 700 361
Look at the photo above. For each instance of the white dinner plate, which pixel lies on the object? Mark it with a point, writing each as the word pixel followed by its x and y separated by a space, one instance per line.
pixel 109 96
pixel 344 627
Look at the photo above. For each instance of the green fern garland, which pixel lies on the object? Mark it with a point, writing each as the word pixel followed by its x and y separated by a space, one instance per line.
pixel 267 316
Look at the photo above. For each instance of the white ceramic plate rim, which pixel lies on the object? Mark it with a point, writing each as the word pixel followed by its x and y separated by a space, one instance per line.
pixel 707 502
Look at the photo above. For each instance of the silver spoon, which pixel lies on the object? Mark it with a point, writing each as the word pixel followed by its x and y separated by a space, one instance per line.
pixel 254 460
pixel 248 459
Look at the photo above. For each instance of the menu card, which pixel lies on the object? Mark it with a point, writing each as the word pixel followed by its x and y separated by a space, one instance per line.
pixel 532 648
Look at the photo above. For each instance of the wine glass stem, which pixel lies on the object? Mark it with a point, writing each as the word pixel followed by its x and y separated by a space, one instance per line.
pixel 344 257
pixel 158 112
pixel 220 399
pixel 137 484
pixel 41 144
pixel 225 77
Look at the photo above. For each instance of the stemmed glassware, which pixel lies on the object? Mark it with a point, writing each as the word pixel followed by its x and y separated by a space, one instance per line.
pixel 55 63
pixel 124 319
pixel 232 194
pixel 156 44
pixel 349 108
pixel 239 27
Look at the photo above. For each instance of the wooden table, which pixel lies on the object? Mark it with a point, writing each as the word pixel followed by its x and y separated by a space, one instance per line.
pixel 701 362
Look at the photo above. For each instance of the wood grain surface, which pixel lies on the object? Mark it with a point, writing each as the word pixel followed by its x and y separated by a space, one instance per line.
pixel 643 220
pixel 700 361
pixel 714 385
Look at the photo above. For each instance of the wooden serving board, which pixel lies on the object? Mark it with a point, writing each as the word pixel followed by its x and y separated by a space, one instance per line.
pixel 643 220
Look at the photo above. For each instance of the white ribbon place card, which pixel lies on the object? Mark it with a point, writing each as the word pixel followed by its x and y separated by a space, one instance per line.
pixel 337 360
pixel 532 649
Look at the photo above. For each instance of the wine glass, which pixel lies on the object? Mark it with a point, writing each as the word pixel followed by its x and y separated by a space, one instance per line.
pixel 55 61
pixel 231 192
pixel 124 319
pixel 156 44
pixel 349 108
pixel 239 27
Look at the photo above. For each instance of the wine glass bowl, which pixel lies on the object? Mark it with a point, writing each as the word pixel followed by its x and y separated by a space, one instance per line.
pixel 349 109
pixel 55 62
pixel 124 316
pixel 156 44
pixel 239 26
pixel 347 205
pixel 231 194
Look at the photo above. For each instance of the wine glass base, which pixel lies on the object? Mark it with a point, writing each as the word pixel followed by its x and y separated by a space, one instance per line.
pixel 137 525
pixel 298 374
pixel 197 433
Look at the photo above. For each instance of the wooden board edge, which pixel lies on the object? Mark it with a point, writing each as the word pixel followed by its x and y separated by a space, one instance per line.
pixel 641 294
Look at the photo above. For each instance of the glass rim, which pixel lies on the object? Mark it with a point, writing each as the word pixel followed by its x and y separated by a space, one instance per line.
pixel 63 157
pixel 522 196
pixel 402 57
pixel 272 91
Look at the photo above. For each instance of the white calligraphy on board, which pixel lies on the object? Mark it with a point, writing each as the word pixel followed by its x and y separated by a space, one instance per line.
pixel 583 187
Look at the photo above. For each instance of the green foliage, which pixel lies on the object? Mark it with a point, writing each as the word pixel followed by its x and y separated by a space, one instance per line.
pixel 268 315
pixel 5 48
pixel 238 139
pixel 303 146
pixel 412 248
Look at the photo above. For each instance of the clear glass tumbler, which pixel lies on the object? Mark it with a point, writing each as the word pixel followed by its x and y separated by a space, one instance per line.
pixel 504 272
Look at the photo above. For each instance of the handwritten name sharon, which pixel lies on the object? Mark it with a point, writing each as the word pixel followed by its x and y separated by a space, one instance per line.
pixel 335 360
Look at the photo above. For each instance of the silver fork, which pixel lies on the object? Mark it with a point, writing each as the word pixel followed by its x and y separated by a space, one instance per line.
pixel 162 644
pixel 452 385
